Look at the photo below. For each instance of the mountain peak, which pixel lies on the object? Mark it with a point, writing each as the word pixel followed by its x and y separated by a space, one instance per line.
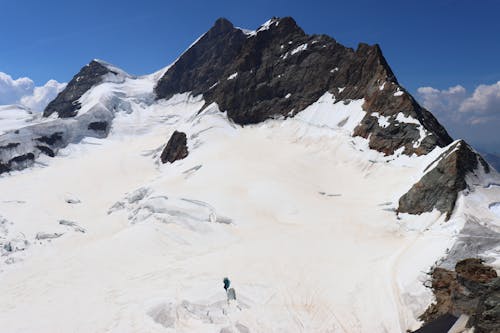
pixel 278 70
pixel 66 103
pixel 222 25
pixel 375 52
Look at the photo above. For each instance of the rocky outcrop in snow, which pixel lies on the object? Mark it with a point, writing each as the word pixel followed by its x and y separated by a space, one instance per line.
pixel 439 187
pixel 472 289
pixel 176 148
pixel 279 71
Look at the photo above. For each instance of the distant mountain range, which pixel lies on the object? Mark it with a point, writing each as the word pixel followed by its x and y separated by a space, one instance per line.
pixel 493 159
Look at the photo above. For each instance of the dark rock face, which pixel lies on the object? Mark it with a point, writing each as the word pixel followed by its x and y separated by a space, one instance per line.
pixel 487 316
pixel 439 325
pixel 17 163
pixel 472 289
pixel 66 103
pixel 176 148
pixel 10 145
pixel 52 139
pixel 399 134
pixel 46 150
pixel 98 126
pixel 439 187
pixel 201 66
pixel 280 70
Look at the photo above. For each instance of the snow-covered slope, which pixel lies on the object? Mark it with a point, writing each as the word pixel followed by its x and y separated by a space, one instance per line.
pixel 298 213
pixel 13 117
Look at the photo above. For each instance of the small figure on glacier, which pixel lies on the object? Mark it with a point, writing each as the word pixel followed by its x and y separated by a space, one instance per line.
pixel 227 283
pixel 230 292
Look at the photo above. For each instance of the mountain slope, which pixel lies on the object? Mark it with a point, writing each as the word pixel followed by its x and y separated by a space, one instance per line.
pixel 301 210
pixel 263 75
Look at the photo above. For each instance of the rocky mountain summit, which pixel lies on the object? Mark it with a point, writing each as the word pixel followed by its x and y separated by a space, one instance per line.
pixel 279 70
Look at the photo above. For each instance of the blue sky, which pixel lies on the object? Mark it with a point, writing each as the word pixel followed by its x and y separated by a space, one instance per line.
pixel 438 44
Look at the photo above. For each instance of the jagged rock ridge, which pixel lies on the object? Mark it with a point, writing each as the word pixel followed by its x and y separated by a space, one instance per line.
pixel 440 186
pixel 279 70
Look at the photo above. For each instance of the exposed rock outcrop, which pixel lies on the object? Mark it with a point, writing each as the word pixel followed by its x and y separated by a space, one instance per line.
pixel 279 71
pixel 472 289
pixel 98 126
pixel 440 186
pixel 66 103
pixel 176 148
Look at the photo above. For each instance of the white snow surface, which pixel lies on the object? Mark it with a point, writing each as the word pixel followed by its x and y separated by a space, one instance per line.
pixel 298 49
pixel 383 121
pixel 296 212
pixel 399 93
pixel 15 116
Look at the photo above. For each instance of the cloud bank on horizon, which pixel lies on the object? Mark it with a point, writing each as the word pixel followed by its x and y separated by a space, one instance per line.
pixel 22 91
pixel 473 116
pixel 457 105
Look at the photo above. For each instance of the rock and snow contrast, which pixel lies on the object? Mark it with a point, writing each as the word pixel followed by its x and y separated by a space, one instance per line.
pixel 297 167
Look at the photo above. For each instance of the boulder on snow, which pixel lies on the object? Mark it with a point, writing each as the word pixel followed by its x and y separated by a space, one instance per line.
pixel 176 148
pixel 440 186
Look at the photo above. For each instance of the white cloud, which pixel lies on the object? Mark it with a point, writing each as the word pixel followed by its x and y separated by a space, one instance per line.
pixel 446 101
pixel 23 91
pixel 474 116
pixel 456 104
pixel 41 96
pixel 485 100
pixel 12 90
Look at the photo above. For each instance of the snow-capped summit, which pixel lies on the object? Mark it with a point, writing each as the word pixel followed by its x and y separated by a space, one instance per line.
pixel 294 165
